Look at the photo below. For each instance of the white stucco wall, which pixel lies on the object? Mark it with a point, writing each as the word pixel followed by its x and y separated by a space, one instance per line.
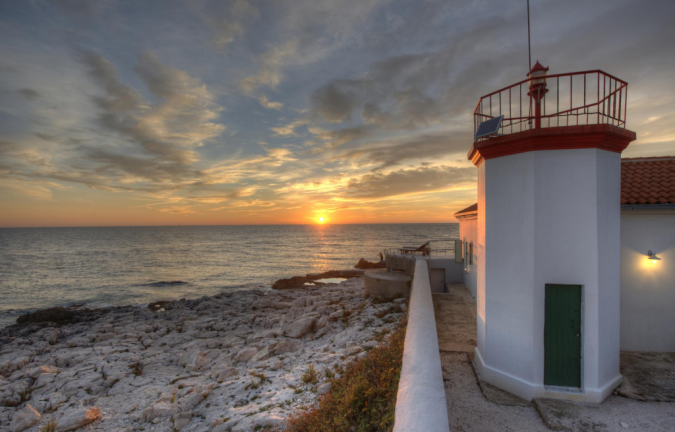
pixel 550 217
pixel 647 289
pixel 468 233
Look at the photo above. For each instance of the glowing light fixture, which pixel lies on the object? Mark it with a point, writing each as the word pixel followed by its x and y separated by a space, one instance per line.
pixel 651 256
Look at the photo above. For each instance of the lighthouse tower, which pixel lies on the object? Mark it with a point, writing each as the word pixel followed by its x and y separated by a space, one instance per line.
pixel 548 152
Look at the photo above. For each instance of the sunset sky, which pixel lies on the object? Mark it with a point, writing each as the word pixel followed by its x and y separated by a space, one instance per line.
pixel 272 112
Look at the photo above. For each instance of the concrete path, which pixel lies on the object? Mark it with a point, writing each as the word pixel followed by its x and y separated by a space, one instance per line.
pixel 455 319
pixel 476 406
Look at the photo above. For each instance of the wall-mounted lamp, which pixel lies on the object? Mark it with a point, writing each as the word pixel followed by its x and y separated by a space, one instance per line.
pixel 651 256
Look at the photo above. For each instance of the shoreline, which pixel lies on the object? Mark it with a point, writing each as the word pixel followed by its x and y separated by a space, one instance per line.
pixel 294 282
pixel 235 360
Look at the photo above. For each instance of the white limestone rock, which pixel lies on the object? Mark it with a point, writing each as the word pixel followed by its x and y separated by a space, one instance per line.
pixel 300 327
pixel 78 418
pixel 182 419
pixel 246 354
pixel 196 361
pixel 24 419
pixel 160 410
pixel 45 369
pixel 283 347
pixel 261 355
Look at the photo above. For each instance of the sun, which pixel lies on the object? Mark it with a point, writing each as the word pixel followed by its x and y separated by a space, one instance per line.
pixel 322 220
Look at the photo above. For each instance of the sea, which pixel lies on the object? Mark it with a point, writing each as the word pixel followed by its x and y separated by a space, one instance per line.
pixel 115 266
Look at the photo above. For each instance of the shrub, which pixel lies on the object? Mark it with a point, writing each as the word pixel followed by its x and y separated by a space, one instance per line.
pixel 363 399
pixel 310 377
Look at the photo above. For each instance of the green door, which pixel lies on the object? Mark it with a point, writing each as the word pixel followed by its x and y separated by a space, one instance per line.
pixel 562 336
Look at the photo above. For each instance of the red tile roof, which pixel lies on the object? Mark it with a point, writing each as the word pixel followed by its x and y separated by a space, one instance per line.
pixel 471 209
pixel 648 180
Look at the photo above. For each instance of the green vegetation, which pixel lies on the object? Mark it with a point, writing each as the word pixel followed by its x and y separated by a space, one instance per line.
pixel 49 427
pixel 310 377
pixel 363 399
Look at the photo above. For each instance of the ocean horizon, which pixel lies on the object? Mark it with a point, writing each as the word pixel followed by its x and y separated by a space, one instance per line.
pixel 99 267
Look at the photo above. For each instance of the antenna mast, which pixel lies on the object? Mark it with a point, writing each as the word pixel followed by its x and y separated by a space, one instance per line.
pixel 529 51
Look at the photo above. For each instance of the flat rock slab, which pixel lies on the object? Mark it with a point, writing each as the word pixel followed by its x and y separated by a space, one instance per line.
pixel 648 376
pixel 561 415
pixel 615 414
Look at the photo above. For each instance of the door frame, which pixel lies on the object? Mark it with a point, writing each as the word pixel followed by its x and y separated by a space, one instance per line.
pixel 581 387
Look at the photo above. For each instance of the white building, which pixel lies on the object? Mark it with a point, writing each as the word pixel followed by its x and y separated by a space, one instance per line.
pixel 544 245
pixel 545 224
pixel 648 224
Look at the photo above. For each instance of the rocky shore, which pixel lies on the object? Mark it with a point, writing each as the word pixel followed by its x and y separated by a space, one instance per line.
pixel 238 361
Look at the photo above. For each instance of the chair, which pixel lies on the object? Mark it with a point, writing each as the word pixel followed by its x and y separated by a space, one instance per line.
pixel 425 249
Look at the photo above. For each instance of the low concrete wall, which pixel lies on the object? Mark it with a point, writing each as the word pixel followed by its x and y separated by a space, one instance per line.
pixel 421 404
pixel 381 283
pixel 402 263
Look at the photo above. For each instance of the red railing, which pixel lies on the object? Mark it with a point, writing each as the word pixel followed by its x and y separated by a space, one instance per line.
pixel 577 98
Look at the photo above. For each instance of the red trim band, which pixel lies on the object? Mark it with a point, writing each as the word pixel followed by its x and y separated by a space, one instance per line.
pixel 601 136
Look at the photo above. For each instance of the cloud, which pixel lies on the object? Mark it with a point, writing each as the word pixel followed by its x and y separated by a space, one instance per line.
pixel 400 92
pixel 417 147
pixel 340 137
pixel 333 104
pixel 29 94
pixel 404 182
pixel 269 104
pixel 308 32
pixel 271 65
pixel 135 143
pixel 289 129
pixel 79 7
pixel 228 24
pixel 169 129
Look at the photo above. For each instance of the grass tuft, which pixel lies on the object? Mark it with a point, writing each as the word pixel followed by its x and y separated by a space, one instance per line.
pixel 51 426
pixel 311 376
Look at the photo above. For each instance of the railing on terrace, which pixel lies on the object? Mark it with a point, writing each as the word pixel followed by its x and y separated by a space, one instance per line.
pixel 577 98
pixel 447 247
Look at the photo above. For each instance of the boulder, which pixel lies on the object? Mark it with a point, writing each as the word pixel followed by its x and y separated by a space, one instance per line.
pixel 197 360
pixel 363 264
pixel 77 419
pixel 35 373
pixel 299 328
pixel 160 410
pixel 24 419
pixel 283 347
pixel 182 419
pixel 321 323
pixel 227 372
pixel 246 354
pixel 261 355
